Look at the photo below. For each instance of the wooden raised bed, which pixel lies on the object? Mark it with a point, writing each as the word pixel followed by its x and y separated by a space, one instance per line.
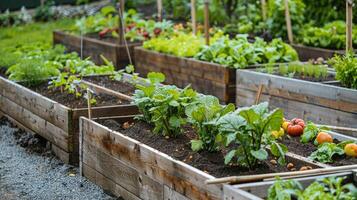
pixel 259 191
pixel 133 170
pixel 94 48
pixel 55 122
pixel 305 53
pixel 319 102
pixel 205 77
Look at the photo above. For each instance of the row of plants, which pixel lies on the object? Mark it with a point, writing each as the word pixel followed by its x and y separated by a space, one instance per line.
pixel 105 24
pixel 344 66
pixel 235 53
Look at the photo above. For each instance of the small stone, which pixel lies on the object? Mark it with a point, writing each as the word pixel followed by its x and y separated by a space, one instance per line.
pixel 293 169
pixel 126 125
pixel 304 168
pixel 273 162
pixel 290 166
pixel 71 174
pixel 167 137
pixel 190 157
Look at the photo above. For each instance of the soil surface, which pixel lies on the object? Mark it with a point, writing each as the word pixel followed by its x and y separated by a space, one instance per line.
pixel 3 71
pixel 180 149
pixel 71 101
pixel 28 170
pixel 295 146
pixel 107 82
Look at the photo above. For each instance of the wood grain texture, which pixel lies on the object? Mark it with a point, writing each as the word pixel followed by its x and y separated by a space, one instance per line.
pixel 182 178
pixel 323 104
pixel 94 48
pixel 305 53
pixel 205 77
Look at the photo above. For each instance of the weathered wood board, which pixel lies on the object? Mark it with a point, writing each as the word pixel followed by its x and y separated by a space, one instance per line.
pixel 140 170
pixel 306 53
pixel 55 122
pixel 321 103
pixel 94 48
pixel 205 77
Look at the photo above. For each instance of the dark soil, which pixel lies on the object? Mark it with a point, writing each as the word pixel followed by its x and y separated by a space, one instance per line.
pixel 3 71
pixel 119 86
pixel 71 101
pixel 180 149
pixel 295 146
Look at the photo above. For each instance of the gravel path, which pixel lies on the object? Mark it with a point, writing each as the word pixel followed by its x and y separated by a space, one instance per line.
pixel 29 171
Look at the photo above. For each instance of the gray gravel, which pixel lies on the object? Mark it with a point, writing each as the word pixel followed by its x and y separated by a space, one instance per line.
pixel 28 173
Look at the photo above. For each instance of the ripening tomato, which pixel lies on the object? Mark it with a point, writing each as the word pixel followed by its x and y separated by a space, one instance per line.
pixel 299 122
pixel 351 150
pixel 323 137
pixel 285 125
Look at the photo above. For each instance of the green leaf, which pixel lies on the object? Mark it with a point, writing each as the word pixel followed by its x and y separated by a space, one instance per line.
pixel 260 154
pixel 229 156
pixel 196 145
pixel 156 77
pixel 175 121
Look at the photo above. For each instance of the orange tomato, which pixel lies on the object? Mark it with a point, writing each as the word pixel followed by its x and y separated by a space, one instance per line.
pixel 323 137
pixel 351 150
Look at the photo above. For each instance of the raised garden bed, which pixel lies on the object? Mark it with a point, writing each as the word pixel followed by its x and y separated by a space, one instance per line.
pixel 320 102
pixel 55 116
pixel 94 47
pixel 259 191
pixel 306 53
pixel 205 77
pixel 123 156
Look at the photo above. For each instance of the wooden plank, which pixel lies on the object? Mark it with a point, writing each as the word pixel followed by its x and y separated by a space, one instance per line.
pixel 106 184
pixel 170 194
pixel 231 193
pixel 42 106
pixel 306 111
pixel 61 154
pixel 319 94
pixel 44 128
pixel 305 53
pixel 146 160
pixel 138 184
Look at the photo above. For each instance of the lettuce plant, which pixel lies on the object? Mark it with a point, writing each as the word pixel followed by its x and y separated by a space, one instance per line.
pixel 346 69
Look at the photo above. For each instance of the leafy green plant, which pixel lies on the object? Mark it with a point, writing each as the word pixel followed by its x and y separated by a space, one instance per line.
pixel 346 69
pixel 303 70
pixel 276 17
pixel 203 115
pixel 163 106
pixel 326 151
pixel 249 130
pixel 310 132
pixel 239 52
pixel 327 188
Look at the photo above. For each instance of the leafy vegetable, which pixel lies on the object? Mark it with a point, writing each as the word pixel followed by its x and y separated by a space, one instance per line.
pixel 163 106
pixel 346 69
pixel 326 151
pixel 203 114
pixel 310 132
pixel 250 128
pixel 329 188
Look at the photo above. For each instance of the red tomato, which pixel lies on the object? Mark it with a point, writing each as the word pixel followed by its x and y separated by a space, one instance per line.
pixel 296 127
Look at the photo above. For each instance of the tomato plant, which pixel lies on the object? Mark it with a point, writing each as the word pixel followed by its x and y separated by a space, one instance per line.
pixel 250 129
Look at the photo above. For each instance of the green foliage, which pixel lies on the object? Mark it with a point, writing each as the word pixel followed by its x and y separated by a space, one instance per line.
pixel 310 132
pixel 276 23
pixel 180 44
pixel 203 115
pixel 326 151
pixel 239 53
pixel 249 130
pixel 164 106
pixel 346 69
pixel 303 70
pixel 329 188
pixel 44 13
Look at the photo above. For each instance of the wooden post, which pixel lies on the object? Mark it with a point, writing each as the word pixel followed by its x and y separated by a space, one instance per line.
pixel 206 11
pixel 264 9
pixel 159 10
pixel 349 24
pixel 121 22
pixel 42 3
pixel 89 96
pixel 288 22
pixel 193 16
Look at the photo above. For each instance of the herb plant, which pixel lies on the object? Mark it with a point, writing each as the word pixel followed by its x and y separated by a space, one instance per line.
pixel 249 128
pixel 203 115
